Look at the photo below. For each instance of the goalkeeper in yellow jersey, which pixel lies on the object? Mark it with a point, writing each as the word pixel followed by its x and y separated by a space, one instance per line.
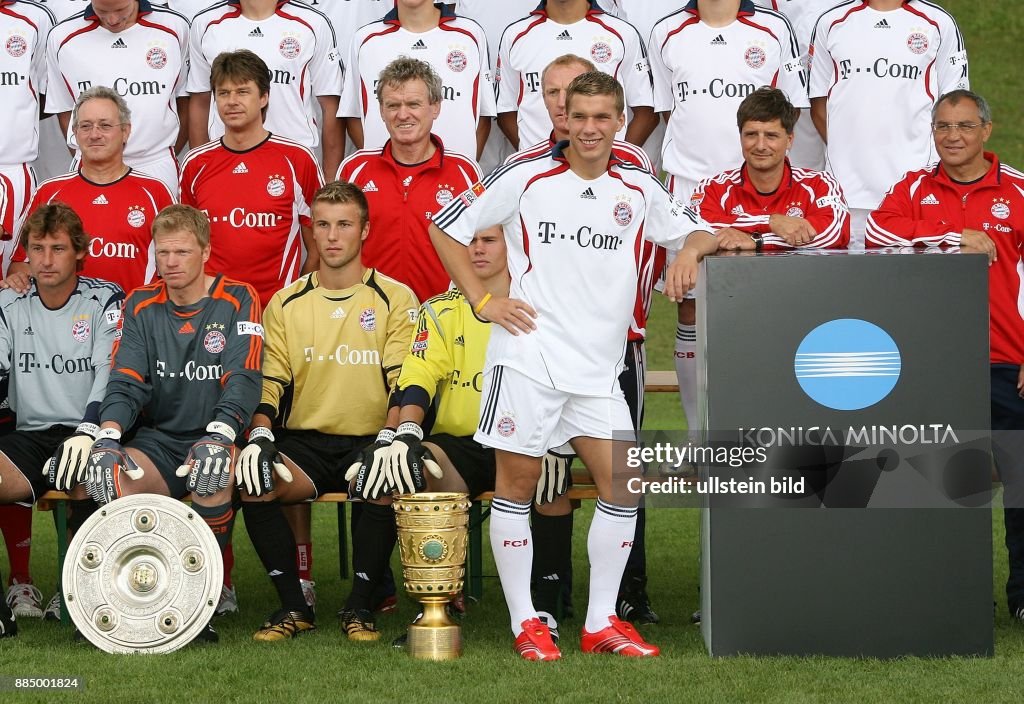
pixel 444 369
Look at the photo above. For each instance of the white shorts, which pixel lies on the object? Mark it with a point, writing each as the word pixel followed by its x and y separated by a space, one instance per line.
pixel 683 188
pixel 22 178
pixel 519 414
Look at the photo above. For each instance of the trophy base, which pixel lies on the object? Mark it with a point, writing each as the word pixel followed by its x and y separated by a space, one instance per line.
pixel 435 642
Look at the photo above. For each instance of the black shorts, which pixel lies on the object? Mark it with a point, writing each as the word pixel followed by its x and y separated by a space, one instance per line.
pixel 167 453
pixel 324 458
pixel 29 450
pixel 473 461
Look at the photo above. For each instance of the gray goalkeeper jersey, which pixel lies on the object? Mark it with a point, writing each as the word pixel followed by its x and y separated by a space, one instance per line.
pixel 58 361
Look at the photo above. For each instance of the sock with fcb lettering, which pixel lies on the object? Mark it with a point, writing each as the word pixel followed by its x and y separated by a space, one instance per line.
pixel 686 372
pixel 608 545
pixel 221 520
pixel 513 555
pixel 304 560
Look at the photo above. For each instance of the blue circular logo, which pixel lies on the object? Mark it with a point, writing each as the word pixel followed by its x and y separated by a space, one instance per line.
pixel 847 364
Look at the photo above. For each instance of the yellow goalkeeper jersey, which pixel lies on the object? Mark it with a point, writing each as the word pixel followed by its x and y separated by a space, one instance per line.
pixel 341 351
pixel 447 360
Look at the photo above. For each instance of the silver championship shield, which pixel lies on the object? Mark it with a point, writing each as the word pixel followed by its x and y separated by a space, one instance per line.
pixel 142 575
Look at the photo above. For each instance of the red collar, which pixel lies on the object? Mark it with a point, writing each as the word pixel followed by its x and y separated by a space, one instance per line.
pixel 435 161
pixel 992 177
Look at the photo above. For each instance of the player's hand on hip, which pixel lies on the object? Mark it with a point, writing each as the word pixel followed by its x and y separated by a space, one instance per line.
pixel 68 465
pixel 979 241
pixel 796 231
pixel 732 240
pixel 681 274
pixel 368 475
pixel 208 465
pixel 514 315
pixel 107 460
pixel 409 460
pixel 258 462
pixel 554 478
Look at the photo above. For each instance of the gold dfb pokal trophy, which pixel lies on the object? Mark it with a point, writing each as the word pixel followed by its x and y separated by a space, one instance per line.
pixel 432 537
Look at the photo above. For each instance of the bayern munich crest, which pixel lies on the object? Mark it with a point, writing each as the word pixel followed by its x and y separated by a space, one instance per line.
pixel 80 330
pixel 16 45
pixel 622 213
pixel 795 211
pixel 289 47
pixel 215 342
pixel 755 57
pixel 156 57
pixel 136 216
pixel 917 43
pixel 601 52
pixel 1000 209
pixel 444 197
pixel 457 61
pixel 506 426
pixel 368 320
pixel 275 186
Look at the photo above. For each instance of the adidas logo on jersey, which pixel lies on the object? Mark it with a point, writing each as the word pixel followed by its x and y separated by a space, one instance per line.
pixel 882 24
pixel 119 44
pixel 240 169
pixel 419 44
pixel 588 194
pixel 737 210
pixel 719 40
pixel 564 36
pixel 186 329
pixel 100 200
pixel 460 341
pixel 256 33
pixel 28 331
pixel 338 314
pixel 370 187
pixel 930 199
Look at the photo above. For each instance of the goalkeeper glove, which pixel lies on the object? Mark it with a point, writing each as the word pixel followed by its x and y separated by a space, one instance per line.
pixel 208 465
pixel 370 469
pixel 554 478
pixel 408 460
pixel 258 462
pixel 68 465
pixel 106 462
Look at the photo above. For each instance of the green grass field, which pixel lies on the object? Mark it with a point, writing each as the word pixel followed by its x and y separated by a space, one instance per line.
pixel 323 666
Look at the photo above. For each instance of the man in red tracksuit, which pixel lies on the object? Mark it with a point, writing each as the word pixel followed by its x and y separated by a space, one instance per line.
pixel 971 200
pixel 409 179
pixel 767 204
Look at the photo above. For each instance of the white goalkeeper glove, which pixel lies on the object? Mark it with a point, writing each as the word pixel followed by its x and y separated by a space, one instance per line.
pixel 68 465
pixel 106 462
pixel 554 478
pixel 409 459
pixel 370 468
pixel 258 462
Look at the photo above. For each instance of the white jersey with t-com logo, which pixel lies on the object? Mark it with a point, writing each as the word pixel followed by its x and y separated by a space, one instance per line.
pixel 573 253
pixel 456 48
pixel 881 73
pixel 703 73
pixel 296 42
pixel 530 44
pixel 145 64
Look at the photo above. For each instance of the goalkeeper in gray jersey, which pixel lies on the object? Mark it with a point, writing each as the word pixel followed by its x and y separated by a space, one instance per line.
pixel 189 356
pixel 55 342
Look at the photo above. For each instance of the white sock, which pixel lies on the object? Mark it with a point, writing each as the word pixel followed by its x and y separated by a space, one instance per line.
pixel 511 543
pixel 686 372
pixel 608 546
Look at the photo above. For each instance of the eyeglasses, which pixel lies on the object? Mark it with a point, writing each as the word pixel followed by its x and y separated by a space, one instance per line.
pixel 103 127
pixel 961 127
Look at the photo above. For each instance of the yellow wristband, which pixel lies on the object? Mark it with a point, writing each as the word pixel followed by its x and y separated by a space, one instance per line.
pixel 482 303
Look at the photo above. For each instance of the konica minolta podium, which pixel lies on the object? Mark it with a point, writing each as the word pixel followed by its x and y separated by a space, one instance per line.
pixel 862 382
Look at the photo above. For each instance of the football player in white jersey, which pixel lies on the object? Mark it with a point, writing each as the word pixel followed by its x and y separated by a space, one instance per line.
pixel 140 50
pixel 298 44
pixel 456 47
pixel 705 58
pixel 560 27
pixel 869 53
pixel 347 16
pixel 573 219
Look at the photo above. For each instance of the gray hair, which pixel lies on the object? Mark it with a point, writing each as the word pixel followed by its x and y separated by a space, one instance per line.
pixel 405 69
pixel 955 96
pixel 102 93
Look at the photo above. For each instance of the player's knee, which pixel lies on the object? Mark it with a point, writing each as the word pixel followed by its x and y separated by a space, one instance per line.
pixel 687 312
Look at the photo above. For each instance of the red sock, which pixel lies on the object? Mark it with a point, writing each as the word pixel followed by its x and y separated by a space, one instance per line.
pixel 228 556
pixel 304 560
pixel 16 525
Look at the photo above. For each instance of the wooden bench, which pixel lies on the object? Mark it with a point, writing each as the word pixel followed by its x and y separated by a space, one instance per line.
pixel 583 489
